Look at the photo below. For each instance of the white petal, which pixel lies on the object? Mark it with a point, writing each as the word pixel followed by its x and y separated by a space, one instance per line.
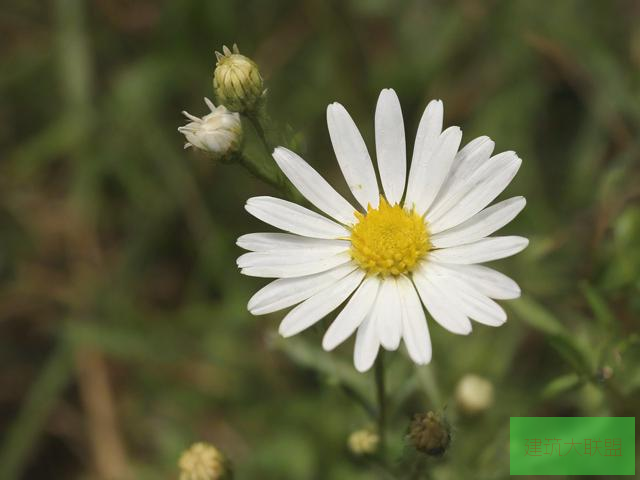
pixel 426 141
pixel 438 166
pixel 480 225
pixel 287 265
pixel 471 157
pixel 435 297
pixel 458 187
pixel 415 332
pixel 352 315
pixel 471 302
pixel 320 305
pixel 367 345
pixel 387 314
pixel 486 280
pixel 274 242
pixel 467 161
pixel 313 187
pixel 485 250
pixel 352 156
pixel 294 218
pixel 390 145
pixel 480 190
pixel 285 292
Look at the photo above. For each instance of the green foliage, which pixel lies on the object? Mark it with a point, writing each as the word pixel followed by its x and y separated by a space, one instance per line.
pixel 115 241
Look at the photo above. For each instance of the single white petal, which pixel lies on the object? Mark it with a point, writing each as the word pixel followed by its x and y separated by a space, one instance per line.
pixel 485 250
pixel 352 156
pixel 438 166
pixel 367 345
pixel 320 305
pixel 287 265
pixel 480 225
pixel 294 218
pixel 280 258
pixel 387 314
pixel 459 187
pixel 486 280
pixel 352 315
pixel 471 157
pixel 390 145
pixel 471 302
pixel 274 242
pixel 476 198
pixel 415 332
pixel 285 292
pixel 436 299
pixel 426 141
pixel 313 186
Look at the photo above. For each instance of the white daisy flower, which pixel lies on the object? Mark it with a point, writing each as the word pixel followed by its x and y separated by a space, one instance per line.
pixel 417 242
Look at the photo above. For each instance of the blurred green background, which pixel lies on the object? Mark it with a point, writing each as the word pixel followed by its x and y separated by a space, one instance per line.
pixel 124 335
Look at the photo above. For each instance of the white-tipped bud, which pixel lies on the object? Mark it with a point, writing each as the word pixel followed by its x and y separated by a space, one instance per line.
pixel 474 394
pixel 237 82
pixel 203 462
pixel 363 442
pixel 219 132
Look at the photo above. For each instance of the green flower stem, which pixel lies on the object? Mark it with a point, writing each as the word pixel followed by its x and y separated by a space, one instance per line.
pixel 382 401
pixel 267 173
pixel 256 123
pixel 275 178
pixel 358 398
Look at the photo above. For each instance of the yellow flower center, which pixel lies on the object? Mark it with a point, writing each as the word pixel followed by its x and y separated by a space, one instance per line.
pixel 389 240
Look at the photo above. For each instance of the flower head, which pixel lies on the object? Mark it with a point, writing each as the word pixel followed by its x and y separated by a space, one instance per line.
pixel 237 81
pixel 429 433
pixel 202 462
pixel 218 133
pixel 363 442
pixel 413 245
pixel 474 394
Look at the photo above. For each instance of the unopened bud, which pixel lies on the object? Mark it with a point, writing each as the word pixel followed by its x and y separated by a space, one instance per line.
pixel 474 394
pixel 429 433
pixel 237 82
pixel 203 462
pixel 219 132
pixel 363 442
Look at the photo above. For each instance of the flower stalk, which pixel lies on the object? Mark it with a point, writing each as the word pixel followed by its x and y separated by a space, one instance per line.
pixel 382 401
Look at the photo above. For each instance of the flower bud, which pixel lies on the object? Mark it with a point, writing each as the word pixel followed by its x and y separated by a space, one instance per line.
pixel 474 394
pixel 203 462
pixel 429 433
pixel 237 82
pixel 219 132
pixel 363 442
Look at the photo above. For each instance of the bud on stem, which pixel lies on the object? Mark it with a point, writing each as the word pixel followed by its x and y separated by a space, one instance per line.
pixel 237 82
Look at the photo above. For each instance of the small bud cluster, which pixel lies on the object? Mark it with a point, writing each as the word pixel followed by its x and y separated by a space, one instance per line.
pixel 239 89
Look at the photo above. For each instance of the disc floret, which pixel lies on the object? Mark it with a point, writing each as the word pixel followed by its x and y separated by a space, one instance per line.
pixel 389 240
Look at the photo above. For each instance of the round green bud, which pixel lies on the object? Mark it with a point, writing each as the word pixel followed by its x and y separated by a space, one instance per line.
pixel 237 82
